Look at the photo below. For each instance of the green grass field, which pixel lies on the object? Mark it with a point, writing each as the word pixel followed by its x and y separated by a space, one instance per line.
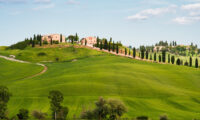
pixel 146 88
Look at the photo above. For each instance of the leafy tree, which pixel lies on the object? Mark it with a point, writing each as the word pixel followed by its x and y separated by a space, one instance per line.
pixel 116 109
pixel 147 55
pixel 4 98
pixel 196 63
pixel 62 113
pixel 163 56
pixel 163 117
pixel 134 52
pixel 23 114
pixel 39 115
pixel 190 61
pixel 172 59
pixel 56 98
pixel 71 38
pixel 155 57
pixel 178 61
pixel 169 58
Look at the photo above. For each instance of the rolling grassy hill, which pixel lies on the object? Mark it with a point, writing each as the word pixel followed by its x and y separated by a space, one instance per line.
pixel 146 88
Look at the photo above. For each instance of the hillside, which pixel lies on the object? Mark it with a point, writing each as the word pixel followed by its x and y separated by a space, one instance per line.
pixel 146 88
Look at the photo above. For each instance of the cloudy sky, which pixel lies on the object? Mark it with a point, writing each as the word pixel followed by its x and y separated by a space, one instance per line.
pixel 134 22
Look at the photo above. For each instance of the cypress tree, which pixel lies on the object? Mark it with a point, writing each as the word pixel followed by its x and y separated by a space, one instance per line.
pixel 142 53
pixel 117 49
pixel 97 41
pixel 109 46
pixel 190 61
pixel 85 42
pixel 101 45
pixel 106 44
pixel 134 52
pixel 172 59
pixel 51 41
pixel 125 51
pixel 60 38
pixel 151 57
pixel 178 61
pixel 113 47
pixel 129 52
pixel 33 43
pixel 163 56
pixel 40 39
pixel 169 58
pixel 147 55
pixel 155 57
pixel 160 58
pixel 196 63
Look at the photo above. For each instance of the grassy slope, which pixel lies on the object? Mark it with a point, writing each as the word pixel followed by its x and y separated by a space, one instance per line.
pixel 146 88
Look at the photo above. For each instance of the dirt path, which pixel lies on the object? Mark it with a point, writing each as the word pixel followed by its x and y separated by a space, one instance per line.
pixel 21 61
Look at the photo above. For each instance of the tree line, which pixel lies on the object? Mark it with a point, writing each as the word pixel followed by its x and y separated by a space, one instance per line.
pixel 105 109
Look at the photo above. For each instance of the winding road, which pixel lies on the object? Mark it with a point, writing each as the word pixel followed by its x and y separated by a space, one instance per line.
pixel 21 61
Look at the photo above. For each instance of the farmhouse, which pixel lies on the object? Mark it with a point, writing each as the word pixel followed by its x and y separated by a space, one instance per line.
pixel 90 41
pixel 54 37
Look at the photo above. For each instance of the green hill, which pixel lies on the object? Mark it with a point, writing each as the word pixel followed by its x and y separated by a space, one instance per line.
pixel 146 88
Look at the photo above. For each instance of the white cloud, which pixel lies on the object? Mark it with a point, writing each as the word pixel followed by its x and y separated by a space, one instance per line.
pixel 195 6
pixel 44 7
pixel 42 1
pixel 145 14
pixel 13 1
pixel 186 20
pixel 72 2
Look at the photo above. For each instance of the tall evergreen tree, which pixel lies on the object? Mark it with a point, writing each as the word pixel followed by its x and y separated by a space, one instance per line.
pixel 178 61
pixel 109 46
pixel 101 45
pixel 160 58
pixel 98 42
pixel 155 57
pixel 142 53
pixel 33 43
pixel 134 52
pixel 147 55
pixel 85 42
pixel 172 59
pixel 190 61
pixel 61 38
pixel 113 46
pixel 169 58
pixel 129 52
pixel 125 51
pixel 163 56
pixel 105 44
pixel 150 56
pixel 117 49
pixel 40 38
pixel 196 63
pixel 76 38
pixel 51 41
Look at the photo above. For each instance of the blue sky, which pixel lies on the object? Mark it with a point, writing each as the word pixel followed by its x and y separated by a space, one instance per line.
pixel 133 22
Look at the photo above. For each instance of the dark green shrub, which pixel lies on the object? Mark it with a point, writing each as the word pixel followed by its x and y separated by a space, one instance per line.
pixel 45 42
pixel 41 54
pixel 23 114
pixel 142 118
